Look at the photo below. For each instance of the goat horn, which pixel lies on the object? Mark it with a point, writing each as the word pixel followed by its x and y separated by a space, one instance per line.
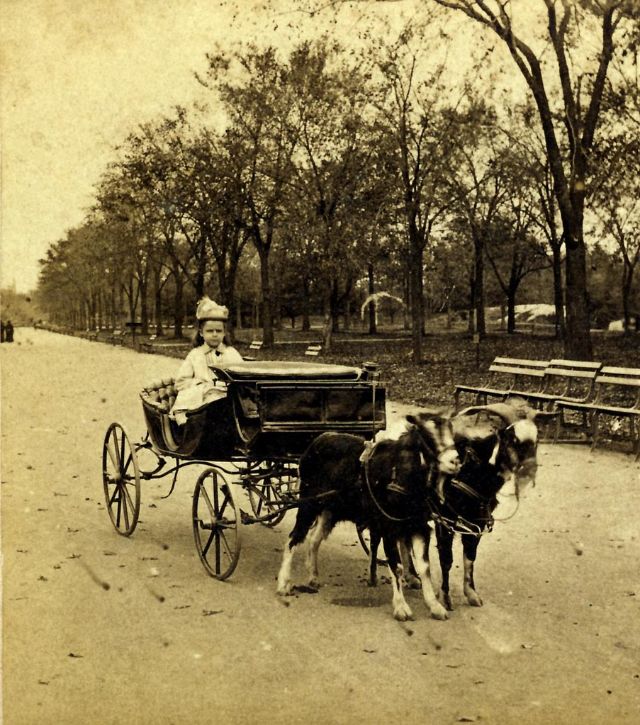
pixel 508 414
pixel 544 414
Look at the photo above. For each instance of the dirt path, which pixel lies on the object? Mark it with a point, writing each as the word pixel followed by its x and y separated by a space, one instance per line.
pixel 102 629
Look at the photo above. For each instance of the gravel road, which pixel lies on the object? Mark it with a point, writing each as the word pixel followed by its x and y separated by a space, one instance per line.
pixel 98 628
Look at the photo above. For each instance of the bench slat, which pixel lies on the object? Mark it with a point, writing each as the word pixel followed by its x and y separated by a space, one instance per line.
pixel 609 380
pixel 521 362
pixel 630 372
pixel 533 372
pixel 575 364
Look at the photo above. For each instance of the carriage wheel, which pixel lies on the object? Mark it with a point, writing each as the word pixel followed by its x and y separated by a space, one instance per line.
pixel 363 538
pixel 121 480
pixel 270 494
pixel 216 524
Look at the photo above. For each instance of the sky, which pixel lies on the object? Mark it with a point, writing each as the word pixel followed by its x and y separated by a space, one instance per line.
pixel 78 75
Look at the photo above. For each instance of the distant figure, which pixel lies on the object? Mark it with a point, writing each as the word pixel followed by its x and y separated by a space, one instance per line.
pixel 1 330
pixel 8 331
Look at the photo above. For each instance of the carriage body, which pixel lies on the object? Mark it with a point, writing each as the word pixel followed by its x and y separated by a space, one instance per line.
pixel 272 410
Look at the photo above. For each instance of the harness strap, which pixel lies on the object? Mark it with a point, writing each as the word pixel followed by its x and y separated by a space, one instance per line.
pixel 462 486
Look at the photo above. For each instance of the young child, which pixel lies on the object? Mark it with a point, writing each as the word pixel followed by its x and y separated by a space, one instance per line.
pixel 195 381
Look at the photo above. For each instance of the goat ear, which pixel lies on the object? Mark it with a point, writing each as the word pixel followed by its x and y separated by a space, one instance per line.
pixel 412 419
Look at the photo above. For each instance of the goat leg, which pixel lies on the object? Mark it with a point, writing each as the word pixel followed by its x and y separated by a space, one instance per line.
pixel 420 555
pixel 401 610
pixel 444 540
pixel 374 544
pixel 305 519
pixel 319 533
pixel 470 549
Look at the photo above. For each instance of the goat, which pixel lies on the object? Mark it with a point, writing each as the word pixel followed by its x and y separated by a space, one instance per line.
pixel 490 460
pixel 382 487
pixel 491 457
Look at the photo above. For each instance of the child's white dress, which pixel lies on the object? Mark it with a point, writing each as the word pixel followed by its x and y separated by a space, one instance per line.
pixel 196 382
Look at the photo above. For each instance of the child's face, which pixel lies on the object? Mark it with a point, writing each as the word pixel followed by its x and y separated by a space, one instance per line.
pixel 212 332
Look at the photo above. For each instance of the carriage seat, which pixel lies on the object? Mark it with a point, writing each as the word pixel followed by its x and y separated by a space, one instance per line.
pixel 160 394
pixel 276 370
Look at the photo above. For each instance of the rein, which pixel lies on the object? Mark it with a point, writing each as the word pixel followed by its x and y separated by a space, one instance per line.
pixel 458 524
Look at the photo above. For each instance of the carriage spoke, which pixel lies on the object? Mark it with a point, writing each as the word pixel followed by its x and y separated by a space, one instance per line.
pixel 225 501
pixel 126 508
pixel 217 552
pixel 128 499
pixel 113 457
pixel 121 455
pixel 223 538
pixel 207 501
pixel 127 464
pixel 208 544
pixel 115 493
pixel 119 509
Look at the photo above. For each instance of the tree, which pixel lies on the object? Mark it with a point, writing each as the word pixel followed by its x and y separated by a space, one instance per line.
pixel 514 252
pixel 253 87
pixel 418 135
pixel 574 127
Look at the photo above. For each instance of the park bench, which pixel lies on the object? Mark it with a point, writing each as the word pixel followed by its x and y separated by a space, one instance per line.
pixel 507 372
pixel 617 394
pixel 118 336
pixel 256 346
pixel 313 350
pixel 568 380
pixel 148 345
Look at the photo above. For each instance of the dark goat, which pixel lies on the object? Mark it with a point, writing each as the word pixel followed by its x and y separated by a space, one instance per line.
pixel 489 462
pixel 384 488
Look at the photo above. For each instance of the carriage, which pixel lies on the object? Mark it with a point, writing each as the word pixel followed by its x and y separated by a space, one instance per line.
pixel 251 439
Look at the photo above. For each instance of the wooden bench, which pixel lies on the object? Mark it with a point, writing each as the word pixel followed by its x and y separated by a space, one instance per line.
pixel 568 380
pixel 509 372
pixel 148 345
pixel 255 345
pixel 117 337
pixel 617 394
pixel 313 350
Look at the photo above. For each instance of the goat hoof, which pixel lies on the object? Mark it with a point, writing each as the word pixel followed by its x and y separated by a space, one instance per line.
pixel 414 583
pixel 402 615
pixel 446 601
pixel 372 582
pixel 439 613
pixel 473 597
pixel 314 583
pixel 284 590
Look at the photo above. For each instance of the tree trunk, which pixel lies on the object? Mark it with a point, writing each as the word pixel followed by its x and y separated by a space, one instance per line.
pixel 511 311
pixel 178 304
pixel 327 332
pixel 157 295
pixel 144 308
pixel 373 328
pixel 627 283
pixel 577 344
pixel 478 286
pixel 267 304
pixel 558 295
pixel 417 305
pixel 201 267
pixel 306 305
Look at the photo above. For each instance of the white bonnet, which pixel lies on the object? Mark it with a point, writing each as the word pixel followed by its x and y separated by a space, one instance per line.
pixel 207 309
